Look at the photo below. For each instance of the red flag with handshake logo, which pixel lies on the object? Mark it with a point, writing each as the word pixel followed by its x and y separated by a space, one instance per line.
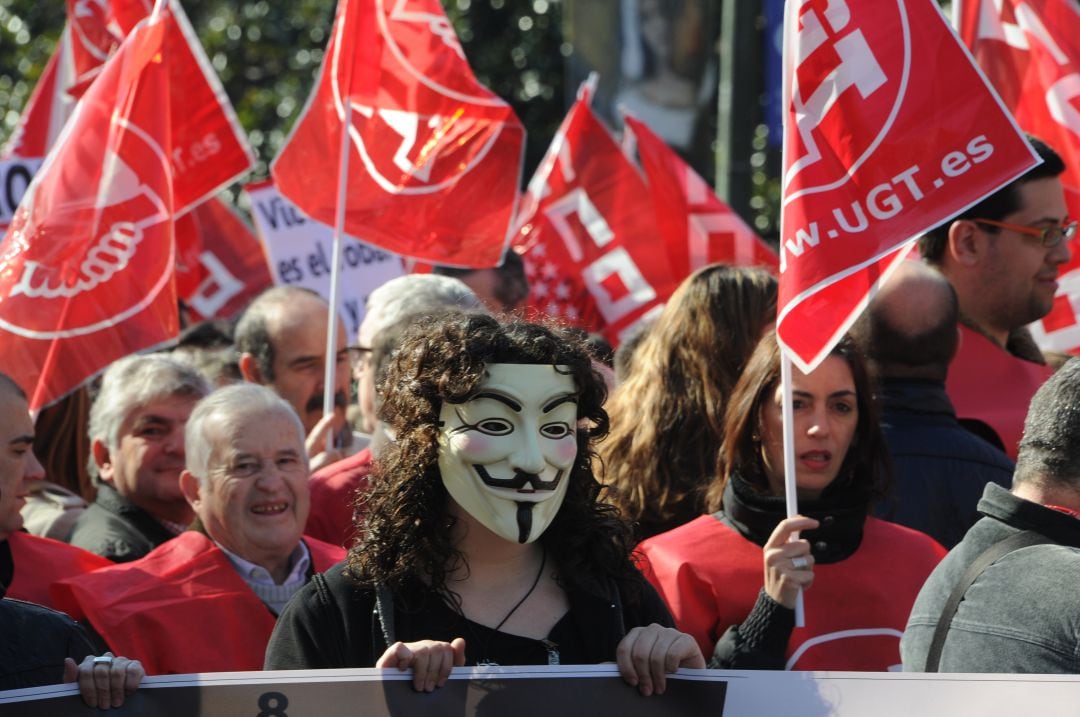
pixel 86 267
pixel 434 158
pixel 1030 52
pixel 889 129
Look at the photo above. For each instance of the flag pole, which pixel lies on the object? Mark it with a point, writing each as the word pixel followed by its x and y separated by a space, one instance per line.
pixel 159 7
pixel 335 270
pixel 790 496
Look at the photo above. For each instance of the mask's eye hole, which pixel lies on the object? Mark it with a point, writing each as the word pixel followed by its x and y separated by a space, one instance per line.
pixel 555 430
pixel 495 427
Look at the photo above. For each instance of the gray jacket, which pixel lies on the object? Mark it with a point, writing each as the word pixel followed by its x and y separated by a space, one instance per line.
pixel 1022 613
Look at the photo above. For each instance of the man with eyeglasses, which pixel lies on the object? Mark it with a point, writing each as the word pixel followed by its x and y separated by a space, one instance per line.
pixel 207 600
pixel 1003 256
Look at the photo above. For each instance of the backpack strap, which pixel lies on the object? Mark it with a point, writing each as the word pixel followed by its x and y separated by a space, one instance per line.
pixel 988 557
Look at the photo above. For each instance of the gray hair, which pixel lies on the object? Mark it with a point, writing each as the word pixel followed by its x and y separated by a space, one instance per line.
pixel 133 382
pixel 252 335
pixel 225 408
pixel 416 294
pixel 1050 449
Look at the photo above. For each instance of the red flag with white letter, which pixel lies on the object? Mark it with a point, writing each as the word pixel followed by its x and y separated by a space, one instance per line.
pixel 86 267
pixel 434 158
pixel 1030 52
pixel 697 226
pixel 889 130
pixel 588 234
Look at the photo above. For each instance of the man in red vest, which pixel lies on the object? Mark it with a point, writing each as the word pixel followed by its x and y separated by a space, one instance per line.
pixel 1003 256
pixel 207 600
pixel 42 646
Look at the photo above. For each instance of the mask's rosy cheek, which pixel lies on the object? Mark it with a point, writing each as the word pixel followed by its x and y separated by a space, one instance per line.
pixel 474 446
pixel 565 451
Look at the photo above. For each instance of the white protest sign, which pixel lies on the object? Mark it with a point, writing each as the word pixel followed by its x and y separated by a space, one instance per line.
pixel 15 176
pixel 299 250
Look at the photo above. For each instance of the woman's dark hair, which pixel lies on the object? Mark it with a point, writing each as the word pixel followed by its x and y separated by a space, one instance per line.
pixel 407 530
pixel 865 469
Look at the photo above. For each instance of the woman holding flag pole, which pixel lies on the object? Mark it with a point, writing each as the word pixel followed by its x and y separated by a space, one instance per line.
pixel 867 571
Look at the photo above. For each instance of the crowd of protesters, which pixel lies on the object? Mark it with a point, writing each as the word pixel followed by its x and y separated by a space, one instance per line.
pixel 496 494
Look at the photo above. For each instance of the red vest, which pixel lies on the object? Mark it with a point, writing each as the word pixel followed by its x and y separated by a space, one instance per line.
pixel 182 608
pixel 856 610
pixel 40 562
pixel 990 384
pixel 333 496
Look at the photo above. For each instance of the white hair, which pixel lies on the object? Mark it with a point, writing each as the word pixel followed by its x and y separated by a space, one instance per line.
pixel 223 410
pixel 133 382
pixel 412 295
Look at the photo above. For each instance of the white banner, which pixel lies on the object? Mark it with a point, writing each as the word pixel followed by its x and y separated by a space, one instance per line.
pixel 573 690
pixel 299 251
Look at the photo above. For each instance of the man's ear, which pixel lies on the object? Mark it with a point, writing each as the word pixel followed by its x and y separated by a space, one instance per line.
pixel 191 488
pixel 102 460
pixel 966 243
pixel 249 369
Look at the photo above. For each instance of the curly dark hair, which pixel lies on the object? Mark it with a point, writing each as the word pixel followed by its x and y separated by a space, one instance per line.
pixel 866 471
pixel 407 527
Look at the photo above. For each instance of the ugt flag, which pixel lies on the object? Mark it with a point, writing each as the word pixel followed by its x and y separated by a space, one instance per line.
pixel 1030 52
pixel 889 129
pixel 434 158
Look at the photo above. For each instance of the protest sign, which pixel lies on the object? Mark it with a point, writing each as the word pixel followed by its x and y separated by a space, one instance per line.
pixel 1030 52
pixel 15 177
pixel 889 130
pixel 298 250
pixel 433 157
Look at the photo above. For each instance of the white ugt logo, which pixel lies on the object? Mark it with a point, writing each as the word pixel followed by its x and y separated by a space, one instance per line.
pixel 857 68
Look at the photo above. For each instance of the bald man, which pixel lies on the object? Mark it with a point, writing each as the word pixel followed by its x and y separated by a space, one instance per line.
pixel 909 335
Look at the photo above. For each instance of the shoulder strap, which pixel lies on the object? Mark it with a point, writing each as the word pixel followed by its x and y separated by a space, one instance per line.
pixel 989 556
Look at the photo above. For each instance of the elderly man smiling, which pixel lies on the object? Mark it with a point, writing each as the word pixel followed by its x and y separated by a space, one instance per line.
pixel 207 601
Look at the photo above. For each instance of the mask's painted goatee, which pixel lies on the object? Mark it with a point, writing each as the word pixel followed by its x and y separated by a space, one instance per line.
pixel 524 519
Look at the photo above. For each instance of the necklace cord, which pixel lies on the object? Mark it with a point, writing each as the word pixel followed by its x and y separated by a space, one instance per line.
pixel 536 581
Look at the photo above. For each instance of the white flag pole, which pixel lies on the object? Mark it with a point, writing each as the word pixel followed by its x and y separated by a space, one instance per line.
pixel 335 271
pixel 155 13
pixel 789 463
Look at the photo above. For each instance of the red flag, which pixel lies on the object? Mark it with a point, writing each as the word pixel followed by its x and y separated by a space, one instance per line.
pixel 697 226
pixel 1030 52
pixel 889 130
pixel 588 234
pixel 434 158
pixel 47 109
pixel 220 264
pixel 86 268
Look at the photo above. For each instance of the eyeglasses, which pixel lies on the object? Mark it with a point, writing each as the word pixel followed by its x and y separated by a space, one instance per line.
pixel 1048 236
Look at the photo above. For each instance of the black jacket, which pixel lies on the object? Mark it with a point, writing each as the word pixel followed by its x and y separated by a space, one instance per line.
pixel 34 640
pixel 333 622
pixel 939 468
pixel 117 529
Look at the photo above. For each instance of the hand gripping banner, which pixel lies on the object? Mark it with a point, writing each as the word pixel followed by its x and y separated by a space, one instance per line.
pixel 889 129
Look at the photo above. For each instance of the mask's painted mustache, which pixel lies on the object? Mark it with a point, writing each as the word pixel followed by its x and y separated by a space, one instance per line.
pixel 519 481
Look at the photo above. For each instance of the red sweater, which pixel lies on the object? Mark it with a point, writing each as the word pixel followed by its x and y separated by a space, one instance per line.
pixel 182 608
pixel 856 610
pixel 333 496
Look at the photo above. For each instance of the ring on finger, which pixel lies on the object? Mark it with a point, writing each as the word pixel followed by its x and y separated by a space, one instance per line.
pixel 106 660
pixel 799 562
